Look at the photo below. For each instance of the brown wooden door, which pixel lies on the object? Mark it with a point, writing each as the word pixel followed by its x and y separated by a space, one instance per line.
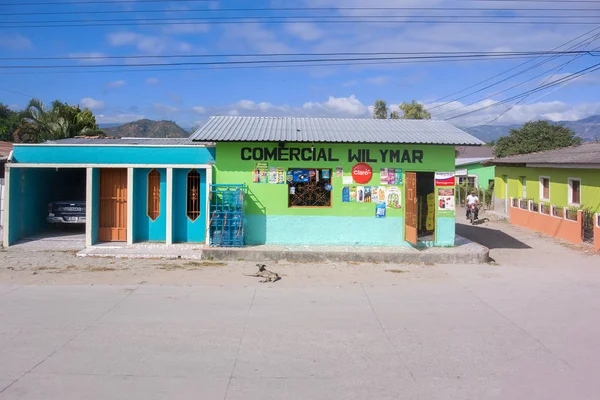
pixel 113 205
pixel 410 218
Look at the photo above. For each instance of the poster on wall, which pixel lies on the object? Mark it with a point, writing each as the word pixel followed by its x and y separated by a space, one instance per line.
pixel 339 172
pixel 347 180
pixel 368 194
pixel 353 194
pixel 360 194
pixel 446 199
pixel 325 174
pixel 300 175
pixel 272 175
pixel 261 173
pixel 280 176
pixel 393 197
pixel 398 176
pixel 381 194
pixel 383 176
pixel 444 179
pixel 380 210
pixel 346 194
pixel 375 194
pixel 290 176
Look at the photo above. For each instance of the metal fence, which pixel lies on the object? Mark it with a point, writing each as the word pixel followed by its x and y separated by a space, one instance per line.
pixel 588 226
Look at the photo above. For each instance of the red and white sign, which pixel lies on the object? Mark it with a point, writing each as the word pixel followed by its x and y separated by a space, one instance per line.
pixel 444 179
pixel 362 173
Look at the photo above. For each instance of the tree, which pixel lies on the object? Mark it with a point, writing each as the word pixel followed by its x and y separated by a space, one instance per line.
pixel 380 110
pixel 394 115
pixel 414 110
pixel 60 121
pixel 535 136
pixel 9 120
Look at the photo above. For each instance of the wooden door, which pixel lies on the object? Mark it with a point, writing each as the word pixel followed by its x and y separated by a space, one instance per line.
pixel 113 205
pixel 410 218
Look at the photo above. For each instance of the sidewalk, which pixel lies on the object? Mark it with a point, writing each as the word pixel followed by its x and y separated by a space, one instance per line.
pixel 465 252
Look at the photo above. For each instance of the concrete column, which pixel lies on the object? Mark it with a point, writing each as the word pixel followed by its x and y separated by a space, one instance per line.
pixel 130 206
pixel 6 227
pixel 169 222
pixel 89 206
pixel 208 190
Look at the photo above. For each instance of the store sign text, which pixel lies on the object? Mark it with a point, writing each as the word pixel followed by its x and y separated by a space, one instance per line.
pixel 326 154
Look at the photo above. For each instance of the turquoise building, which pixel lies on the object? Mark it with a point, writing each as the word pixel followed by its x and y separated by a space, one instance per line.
pixel 135 190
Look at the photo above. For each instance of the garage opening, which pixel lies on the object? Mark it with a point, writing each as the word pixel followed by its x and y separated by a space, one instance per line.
pixel 48 204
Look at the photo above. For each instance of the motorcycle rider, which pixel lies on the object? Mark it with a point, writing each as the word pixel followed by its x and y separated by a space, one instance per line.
pixel 472 198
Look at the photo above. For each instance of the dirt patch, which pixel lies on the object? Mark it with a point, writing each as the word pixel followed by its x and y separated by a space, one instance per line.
pixel 99 269
pixel 45 268
pixel 191 265
pixel 396 271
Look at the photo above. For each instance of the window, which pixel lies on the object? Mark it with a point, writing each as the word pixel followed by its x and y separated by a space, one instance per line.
pixel 574 191
pixel 153 194
pixel 467 180
pixel 544 188
pixel 309 187
pixel 193 195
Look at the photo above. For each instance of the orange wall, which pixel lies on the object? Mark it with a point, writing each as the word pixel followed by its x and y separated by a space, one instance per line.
pixel 559 228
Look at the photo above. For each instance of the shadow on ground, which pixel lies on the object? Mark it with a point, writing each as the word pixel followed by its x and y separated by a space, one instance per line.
pixel 490 238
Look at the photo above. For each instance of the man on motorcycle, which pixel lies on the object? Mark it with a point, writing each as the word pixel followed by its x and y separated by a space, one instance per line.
pixel 472 199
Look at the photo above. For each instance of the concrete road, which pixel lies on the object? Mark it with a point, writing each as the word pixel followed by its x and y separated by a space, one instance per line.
pixel 525 329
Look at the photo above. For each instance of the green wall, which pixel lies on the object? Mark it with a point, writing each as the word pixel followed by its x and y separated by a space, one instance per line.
pixel 484 173
pixel 590 184
pixel 266 202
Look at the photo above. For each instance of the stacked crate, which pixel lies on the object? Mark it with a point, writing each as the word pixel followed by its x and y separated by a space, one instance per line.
pixel 227 215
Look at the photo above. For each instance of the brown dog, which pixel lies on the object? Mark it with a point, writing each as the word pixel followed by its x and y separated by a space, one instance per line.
pixel 263 272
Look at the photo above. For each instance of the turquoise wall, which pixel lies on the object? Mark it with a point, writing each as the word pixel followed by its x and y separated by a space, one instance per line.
pixel 30 192
pixel 95 204
pixel 184 230
pixel 445 231
pixel 49 154
pixel 144 229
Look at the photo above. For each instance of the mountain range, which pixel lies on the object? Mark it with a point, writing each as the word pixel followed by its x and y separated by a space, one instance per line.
pixel 588 129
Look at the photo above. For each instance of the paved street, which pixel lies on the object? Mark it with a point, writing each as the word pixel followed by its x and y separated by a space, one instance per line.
pixel 526 328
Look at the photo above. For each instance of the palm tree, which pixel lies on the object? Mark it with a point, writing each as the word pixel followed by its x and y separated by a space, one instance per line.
pixel 60 121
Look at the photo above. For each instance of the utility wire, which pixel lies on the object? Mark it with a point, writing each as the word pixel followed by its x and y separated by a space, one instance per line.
pixel 567 78
pixel 294 9
pixel 426 57
pixel 507 71
pixel 64 3
pixel 427 54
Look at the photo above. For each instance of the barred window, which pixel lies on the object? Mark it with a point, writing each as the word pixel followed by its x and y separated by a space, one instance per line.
pixel 193 195
pixel 309 187
pixel 153 194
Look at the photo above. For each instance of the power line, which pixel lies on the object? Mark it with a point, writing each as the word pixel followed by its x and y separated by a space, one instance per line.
pixel 250 21
pixel 509 70
pixel 64 3
pixel 426 54
pixel 567 78
pixel 466 56
pixel 294 9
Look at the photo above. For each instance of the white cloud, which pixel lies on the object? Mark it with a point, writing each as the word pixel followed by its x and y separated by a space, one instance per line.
pixel 117 84
pixel 152 81
pixel 147 43
pixel 304 30
pixel 379 80
pixel 117 118
pixel 92 104
pixel 164 109
pixel 199 109
pixel 89 58
pixel 339 106
pixel 14 41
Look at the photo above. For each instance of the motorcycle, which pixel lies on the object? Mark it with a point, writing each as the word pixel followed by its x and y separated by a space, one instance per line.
pixel 473 213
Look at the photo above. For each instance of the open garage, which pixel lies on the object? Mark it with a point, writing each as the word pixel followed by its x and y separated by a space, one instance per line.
pixel 48 204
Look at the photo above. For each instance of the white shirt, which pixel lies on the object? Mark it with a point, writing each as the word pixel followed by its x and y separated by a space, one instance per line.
pixel 472 199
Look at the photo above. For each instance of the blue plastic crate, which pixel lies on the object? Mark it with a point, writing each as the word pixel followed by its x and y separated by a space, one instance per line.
pixel 227 215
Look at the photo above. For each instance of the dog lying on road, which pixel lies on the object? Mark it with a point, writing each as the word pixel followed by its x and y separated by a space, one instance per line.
pixel 263 272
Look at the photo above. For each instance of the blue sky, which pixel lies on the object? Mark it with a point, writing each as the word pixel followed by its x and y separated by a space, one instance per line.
pixel 118 94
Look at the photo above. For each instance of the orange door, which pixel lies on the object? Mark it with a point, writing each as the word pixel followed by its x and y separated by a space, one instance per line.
pixel 113 205
pixel 410 222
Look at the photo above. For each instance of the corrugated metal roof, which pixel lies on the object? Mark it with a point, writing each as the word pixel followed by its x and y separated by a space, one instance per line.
pixel 475 152
pixel 331 130
pixel 467 161
pixel 131 141
pixel 588 153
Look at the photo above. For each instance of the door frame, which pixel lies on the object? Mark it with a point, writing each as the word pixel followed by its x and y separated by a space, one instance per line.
pixel 411 234
pixel 118 176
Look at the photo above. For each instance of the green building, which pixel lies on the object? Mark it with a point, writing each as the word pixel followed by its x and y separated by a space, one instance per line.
pixel 470 170
pixel 568 177
pixel 333 181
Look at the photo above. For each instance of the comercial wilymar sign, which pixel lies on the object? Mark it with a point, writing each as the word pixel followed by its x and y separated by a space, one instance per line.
pixel 327 154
